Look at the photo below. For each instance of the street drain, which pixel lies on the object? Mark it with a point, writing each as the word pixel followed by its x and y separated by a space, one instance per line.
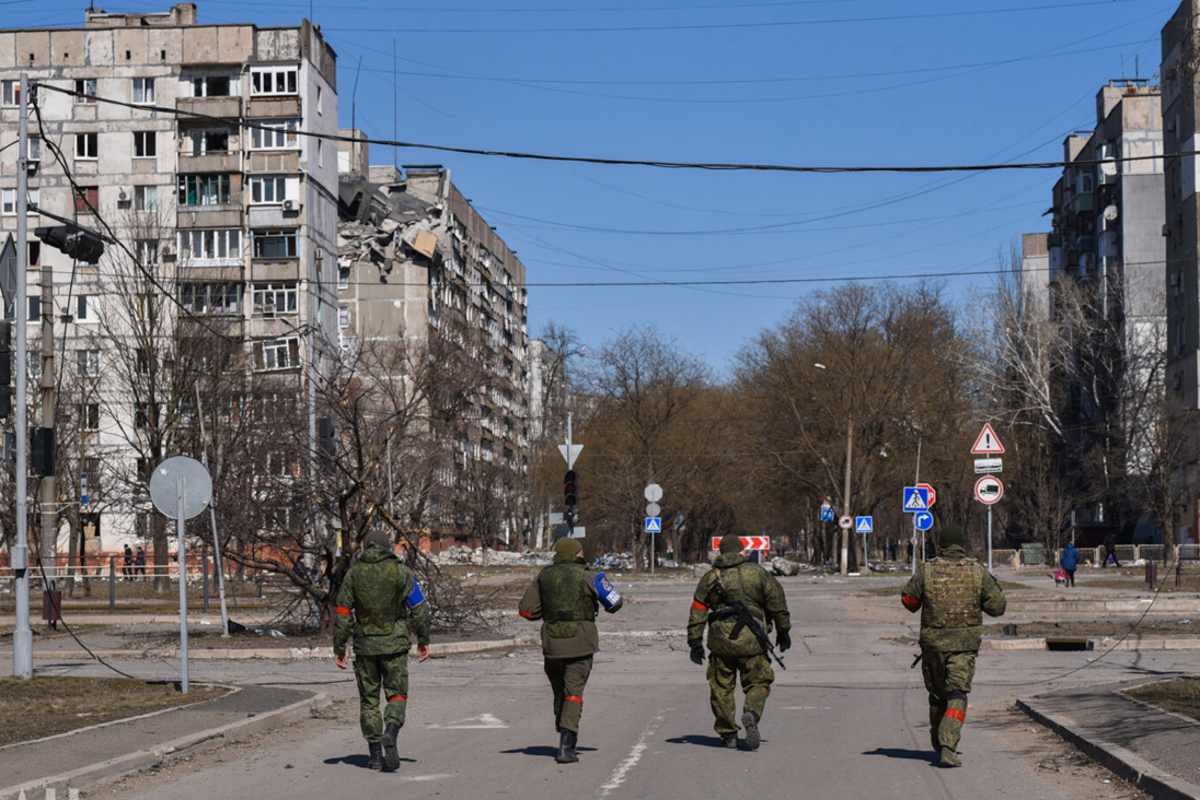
pixel 1068 643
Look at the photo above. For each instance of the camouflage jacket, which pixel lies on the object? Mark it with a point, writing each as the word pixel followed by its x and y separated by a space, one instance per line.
pixel 951 592
pixel 563 596
pixel 378 600
pixel 749 583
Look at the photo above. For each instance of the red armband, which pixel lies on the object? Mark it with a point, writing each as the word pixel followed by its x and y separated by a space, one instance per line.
pixel 911 603
pixel 526 614
pixel 341 610
pixel 696 604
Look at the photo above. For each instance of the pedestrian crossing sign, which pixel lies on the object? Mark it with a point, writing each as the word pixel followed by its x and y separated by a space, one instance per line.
pixel 864 524
pixel 916 499
pixel 653 524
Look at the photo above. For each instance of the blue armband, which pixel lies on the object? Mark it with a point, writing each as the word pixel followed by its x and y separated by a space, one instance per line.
pixel 610 598
pixel 416 597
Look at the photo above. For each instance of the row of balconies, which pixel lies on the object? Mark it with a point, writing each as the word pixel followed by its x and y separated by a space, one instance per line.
pixel 231 107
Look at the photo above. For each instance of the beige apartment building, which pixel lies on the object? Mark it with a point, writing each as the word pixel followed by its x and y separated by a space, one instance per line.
pixel 188 141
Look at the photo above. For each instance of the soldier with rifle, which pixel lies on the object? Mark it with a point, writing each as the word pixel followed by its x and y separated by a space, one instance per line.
pixel 740 602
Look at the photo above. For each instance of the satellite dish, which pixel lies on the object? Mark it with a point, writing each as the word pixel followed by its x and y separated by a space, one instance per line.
pixel 197 486
pixel 1110 213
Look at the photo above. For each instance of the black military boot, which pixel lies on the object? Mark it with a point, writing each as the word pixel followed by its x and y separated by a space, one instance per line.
pixel 750 723
pixel 566 747
pixel 376 762
pixel 729 740
pixel 390 756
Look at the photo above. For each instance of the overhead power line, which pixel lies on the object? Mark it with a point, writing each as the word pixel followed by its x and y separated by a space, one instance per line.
pixel 714 166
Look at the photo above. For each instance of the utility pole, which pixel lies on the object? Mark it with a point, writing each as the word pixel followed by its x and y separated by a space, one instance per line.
pixel 846 495
pixel 19 555
pixel 49 549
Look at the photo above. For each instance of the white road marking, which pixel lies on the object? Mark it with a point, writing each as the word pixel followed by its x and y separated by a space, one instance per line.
pixel 481 722
pixel 631 760
pixel 804 708
pixel 434 777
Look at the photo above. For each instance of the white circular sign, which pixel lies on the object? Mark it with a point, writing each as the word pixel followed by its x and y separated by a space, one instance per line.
pixel 845 523
pixel 653 493
pixel 197 486
pixel 988 490
pixel 653 510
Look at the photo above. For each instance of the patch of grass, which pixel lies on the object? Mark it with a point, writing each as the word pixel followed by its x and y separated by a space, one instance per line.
pixel 1181 695
pixel 49 705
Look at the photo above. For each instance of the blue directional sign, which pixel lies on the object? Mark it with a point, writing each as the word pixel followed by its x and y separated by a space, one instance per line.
pixel 653 524
pixel 923 520
pixel 827 515
pixel 863 524
pixel 916 498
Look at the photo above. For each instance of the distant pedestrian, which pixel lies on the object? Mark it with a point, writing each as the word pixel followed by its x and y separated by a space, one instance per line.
pixel 1069 560
pixel 127 564
pixel 139 562
pixel 1110 550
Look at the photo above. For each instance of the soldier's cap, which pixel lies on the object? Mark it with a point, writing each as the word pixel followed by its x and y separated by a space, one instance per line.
pixel 567 548
pixel 377 537
pixel 951 535
pixel 731 543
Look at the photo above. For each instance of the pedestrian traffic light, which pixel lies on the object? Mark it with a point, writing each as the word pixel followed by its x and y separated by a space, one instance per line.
pixel 79 243
pixel 6 356
pixel 570 491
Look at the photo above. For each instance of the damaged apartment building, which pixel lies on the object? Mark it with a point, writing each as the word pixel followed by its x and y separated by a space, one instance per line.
pixel 417 265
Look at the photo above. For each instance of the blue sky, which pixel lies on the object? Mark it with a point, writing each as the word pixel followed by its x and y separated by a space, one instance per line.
pixel 800 82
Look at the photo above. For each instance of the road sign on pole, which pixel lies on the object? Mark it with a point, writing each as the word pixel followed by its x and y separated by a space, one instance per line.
pixel 653 524
pixel 915 499
pixel 827 515
pixel 864 525
pixel 570 452
pixel 989 465
pixel 846 522
pixel 987 444
pixel 932 495
pixel 653 509
pixel 748 542
pixel 653 493
pixel 988 490
pixel 923 520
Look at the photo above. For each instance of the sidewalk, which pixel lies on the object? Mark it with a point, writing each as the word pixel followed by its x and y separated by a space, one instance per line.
pixel 104 753
pixel 1153 749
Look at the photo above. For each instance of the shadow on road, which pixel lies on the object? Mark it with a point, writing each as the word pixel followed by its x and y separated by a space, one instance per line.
pixel 703 741
pixel 542 750
pixel 359 760
pixel 911 755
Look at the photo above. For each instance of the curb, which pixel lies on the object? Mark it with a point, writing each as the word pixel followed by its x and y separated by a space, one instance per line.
pixel 113 768
pixel 1100 645
pixel 1116 759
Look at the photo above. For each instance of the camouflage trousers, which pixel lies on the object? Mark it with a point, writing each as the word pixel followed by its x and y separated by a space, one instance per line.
pixel 390 673
pixel 723 671
pixel 568 677
pixel 948 681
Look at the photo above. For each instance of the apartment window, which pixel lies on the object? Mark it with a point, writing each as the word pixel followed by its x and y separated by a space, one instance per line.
pixel 145 415
pixel 275 243
pixel 8 201
pixel 87 199
pixel 343 278
pixel 211 86
pixel 343 317
pixel 145 198
pixel 85 90
pixel 146 251
pixel 207 189
pixel 87 146
pixel 10 93
pixel 35 148
pixel 87 363
pixel 320 110
pixel 275 135
pixel 89 417
pixel 277 354
pixel 33 249
pixel 274 299
pixel 146 306
pixel 270 189
pixel 143 91
pixel 145 144
pixel 85 309
pixel 273 80
pixel 320 153
pixel 211 298
pixel 211 245
pixel 35 311
pixel 204 142
pixel 145 361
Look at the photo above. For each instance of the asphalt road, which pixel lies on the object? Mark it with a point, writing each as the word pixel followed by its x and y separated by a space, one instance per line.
pixel 847 719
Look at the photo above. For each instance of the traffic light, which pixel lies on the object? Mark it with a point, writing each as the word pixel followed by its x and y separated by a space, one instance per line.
pixel 6 356
pixel 570 491
pixel 43 452
pixel 79 243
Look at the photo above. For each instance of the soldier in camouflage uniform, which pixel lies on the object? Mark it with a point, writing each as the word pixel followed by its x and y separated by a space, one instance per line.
pixel 379 599
pixel 951 592
pixel 564 597
pixel 732 654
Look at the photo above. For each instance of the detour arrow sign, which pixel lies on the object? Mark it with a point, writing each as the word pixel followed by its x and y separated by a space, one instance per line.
pixel 748 543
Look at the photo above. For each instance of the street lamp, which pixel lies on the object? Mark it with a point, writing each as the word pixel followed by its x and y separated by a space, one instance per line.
pixel 846 488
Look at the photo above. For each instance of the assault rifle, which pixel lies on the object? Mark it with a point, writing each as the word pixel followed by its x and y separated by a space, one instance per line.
pixel 746 620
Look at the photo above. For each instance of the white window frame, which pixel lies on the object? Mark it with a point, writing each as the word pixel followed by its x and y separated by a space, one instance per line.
pixel 35 148
pixel 276 80
pixel 87 146
pixel 8 201
pixel 143 91
pixel 89 414
pixel 291 236
pixel 275 134
pixel 196 142
pixel 85 90
pixel 146 251
pixel 277 354
pixel 218 247
pixel 85 310
pixel 343 316
pixel 145 136
pixel 145 198
pixel 87 363
pixel 198 298
pixel 283 293
pixel 343 278
pixel 273 189
pixel 200 82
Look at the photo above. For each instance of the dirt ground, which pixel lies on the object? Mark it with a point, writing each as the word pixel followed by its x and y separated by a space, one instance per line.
pixel 1181 695
pixel 1058 762
pixel 49 705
